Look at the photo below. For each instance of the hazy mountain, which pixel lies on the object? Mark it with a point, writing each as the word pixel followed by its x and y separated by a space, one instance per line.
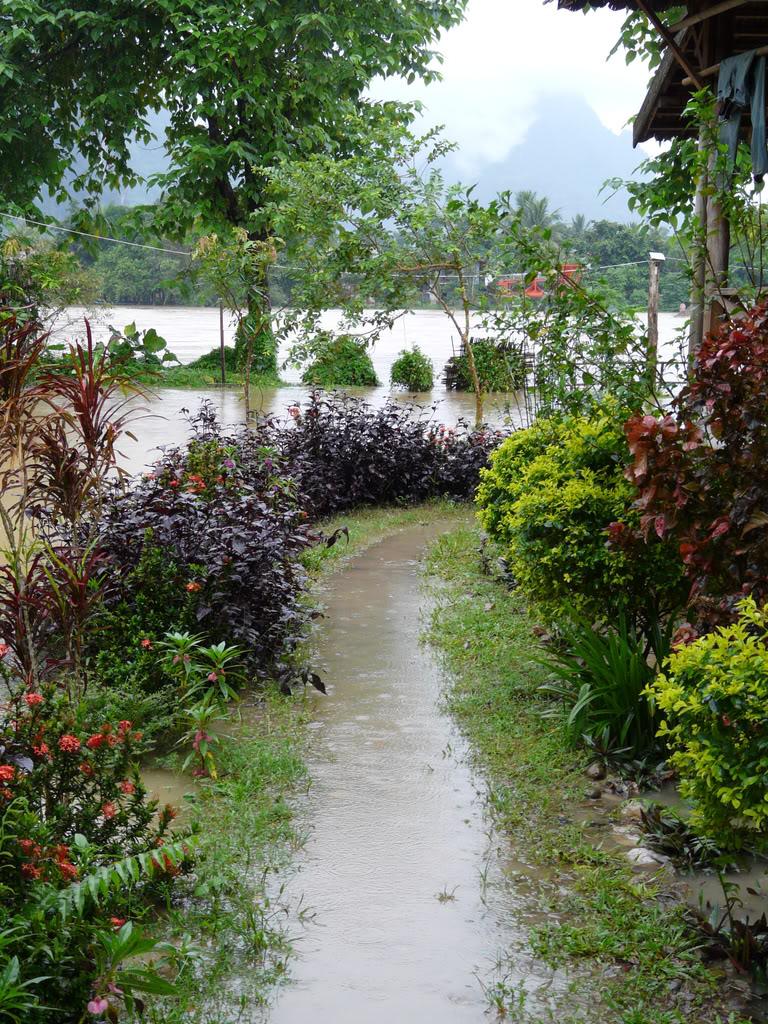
pixel 567 155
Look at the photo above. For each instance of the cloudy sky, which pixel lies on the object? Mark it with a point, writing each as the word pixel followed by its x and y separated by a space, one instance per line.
pixel 504 56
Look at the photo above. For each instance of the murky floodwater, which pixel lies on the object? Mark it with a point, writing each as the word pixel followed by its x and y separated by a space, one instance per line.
pixel 398 874
pixel 193 331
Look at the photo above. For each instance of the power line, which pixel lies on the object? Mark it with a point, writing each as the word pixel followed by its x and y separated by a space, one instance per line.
pixel 99 238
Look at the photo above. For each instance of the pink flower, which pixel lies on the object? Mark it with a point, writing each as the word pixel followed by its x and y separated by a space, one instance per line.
pixel 146 643
pixel 127 787
pixel 212 677
pixel 98 1006
pixel 33 699
pixel 108 810
pixel 4 648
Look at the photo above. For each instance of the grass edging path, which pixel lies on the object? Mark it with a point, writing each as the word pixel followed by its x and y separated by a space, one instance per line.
pixel 631 955
pixel 230 910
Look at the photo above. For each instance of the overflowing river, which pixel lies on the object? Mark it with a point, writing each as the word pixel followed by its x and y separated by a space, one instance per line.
pixel 193 331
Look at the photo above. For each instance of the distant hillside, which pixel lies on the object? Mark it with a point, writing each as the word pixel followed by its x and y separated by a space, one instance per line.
pixel 567 155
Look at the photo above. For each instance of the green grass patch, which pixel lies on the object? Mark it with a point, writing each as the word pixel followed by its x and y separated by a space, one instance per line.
pixel 230 911
pixel 635 957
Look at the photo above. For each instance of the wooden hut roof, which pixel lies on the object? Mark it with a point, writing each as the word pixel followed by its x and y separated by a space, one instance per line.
pixel 710 31
pixel 742 26
pixel 616 5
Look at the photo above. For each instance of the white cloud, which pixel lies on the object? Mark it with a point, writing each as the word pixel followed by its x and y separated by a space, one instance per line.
pixel 508 53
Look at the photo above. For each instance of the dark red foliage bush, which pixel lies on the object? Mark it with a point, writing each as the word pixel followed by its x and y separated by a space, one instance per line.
pixel 230 546
pixel 702 470
pixel 342 454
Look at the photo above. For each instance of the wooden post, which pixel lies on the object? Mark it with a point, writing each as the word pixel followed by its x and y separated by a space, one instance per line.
pixel 221 345
pixel 718 249
pixel 698 283
pixel 655 259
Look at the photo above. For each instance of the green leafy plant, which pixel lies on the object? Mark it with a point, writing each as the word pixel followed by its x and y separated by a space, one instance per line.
pixel 340 361
pixel 712 697
pixel 412 370
pixel 664 830
pixel 500 367
pixel 554 496
pixel 602 678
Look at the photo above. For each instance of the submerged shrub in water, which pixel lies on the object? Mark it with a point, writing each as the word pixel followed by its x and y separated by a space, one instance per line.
pixel 341 362
pixel 412 370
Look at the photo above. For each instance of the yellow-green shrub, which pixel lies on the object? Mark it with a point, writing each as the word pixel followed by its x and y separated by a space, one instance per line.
pixel 714 699
pixel 549 496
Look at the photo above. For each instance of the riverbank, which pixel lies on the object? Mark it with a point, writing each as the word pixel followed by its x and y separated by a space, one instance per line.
pixel 625 946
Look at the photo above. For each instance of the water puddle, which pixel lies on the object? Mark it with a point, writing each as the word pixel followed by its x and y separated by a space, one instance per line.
pixel 402 904
pixel 168 787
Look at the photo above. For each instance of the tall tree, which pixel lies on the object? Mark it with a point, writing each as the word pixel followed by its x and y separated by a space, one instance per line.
pixel 535 212
pixel 246 83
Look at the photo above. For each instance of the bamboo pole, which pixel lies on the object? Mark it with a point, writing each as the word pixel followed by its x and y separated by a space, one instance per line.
pixel 655 259
pixel 221 345
pixel 696 334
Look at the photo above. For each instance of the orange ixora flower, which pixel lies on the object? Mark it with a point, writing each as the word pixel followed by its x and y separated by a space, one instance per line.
pixel 193 587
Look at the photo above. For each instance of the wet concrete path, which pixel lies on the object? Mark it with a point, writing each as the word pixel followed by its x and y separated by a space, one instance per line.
pixel 396 869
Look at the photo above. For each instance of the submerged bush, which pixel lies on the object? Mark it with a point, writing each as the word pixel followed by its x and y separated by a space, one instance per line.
pixel 500 367
pixel 412 370
pixel 556 498
pixel 341 361
pixel 713 696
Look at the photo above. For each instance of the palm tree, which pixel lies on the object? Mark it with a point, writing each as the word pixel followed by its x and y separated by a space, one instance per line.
pixel 534 212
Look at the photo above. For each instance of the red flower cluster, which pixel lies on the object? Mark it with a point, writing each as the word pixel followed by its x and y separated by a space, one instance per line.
pixel 7 773
pixel 195 483
pixel 32 700
pixel 193 587
pixel 69 744
pixel 40 861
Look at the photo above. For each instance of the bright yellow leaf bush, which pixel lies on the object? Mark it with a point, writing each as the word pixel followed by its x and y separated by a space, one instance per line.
pixel 713 696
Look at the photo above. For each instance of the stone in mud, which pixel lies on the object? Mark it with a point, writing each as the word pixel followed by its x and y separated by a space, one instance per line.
pixel 640 857
pixel 632 811
pixel 595 771
pixel 595 793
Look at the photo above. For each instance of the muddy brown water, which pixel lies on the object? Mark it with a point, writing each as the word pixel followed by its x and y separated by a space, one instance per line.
pixel 404 908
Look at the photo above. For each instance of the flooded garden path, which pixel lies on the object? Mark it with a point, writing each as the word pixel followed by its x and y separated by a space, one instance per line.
pixel 403 913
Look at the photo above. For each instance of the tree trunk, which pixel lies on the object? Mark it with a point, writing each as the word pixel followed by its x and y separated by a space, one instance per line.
pixel 475 382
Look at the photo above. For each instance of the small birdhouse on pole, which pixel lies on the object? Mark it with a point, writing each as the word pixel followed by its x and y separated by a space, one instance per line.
pixel 724 44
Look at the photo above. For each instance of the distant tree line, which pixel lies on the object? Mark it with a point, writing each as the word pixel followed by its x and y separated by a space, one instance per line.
pixel 611 252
